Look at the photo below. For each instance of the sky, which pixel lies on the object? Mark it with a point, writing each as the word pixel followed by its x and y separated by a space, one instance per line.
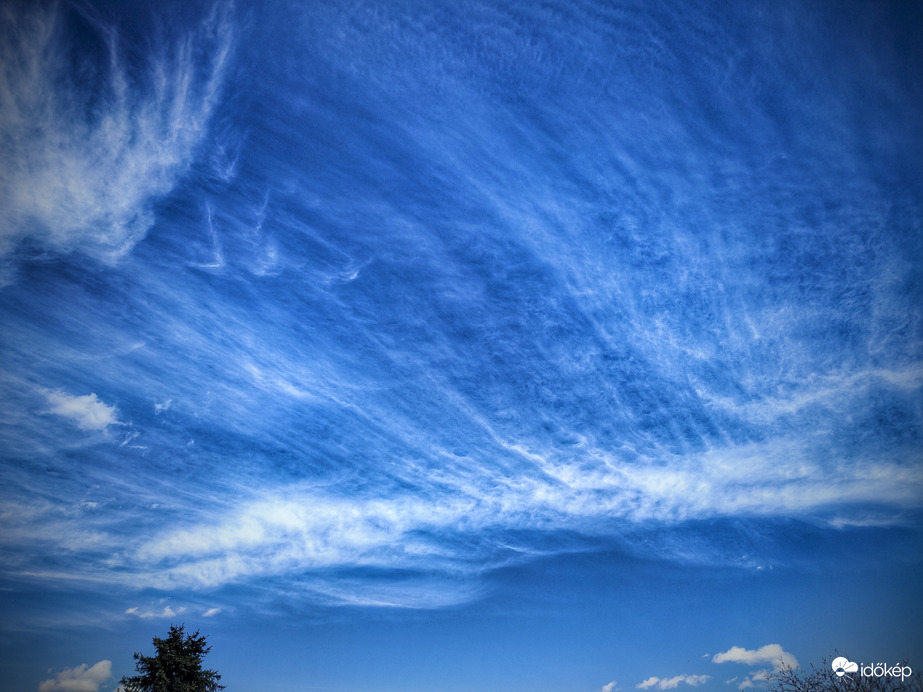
pixel 402 346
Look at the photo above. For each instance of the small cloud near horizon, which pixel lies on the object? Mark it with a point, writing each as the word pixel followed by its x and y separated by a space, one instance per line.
pixel 770 653
pixel 79 679
pixel 748 682
pixel 672 683
pixel 166 612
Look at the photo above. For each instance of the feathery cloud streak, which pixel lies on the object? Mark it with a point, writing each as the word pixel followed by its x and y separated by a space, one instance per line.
pixel 88 143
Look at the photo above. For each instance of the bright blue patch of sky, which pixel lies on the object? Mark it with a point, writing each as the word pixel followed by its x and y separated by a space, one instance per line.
pixel 412 346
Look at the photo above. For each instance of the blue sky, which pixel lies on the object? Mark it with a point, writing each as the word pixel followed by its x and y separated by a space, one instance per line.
pixel 458 346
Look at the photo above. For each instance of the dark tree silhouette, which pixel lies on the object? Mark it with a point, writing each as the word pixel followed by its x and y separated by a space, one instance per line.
pixel 824 679
pixel 176 667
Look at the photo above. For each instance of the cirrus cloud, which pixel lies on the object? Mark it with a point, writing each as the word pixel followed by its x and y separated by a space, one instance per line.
pixel 80 173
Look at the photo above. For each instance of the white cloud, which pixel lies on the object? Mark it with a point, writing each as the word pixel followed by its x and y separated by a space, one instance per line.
pixel 674 682
pixel 164 406
pixel 290 530
pixel 290 533
pixel 165 612
pixel 774 477
pixel 79 679
pixel 79 175
pixel 211 612
pixel 609 687
pixel 748 682
pixel 87 412
pixel 770 653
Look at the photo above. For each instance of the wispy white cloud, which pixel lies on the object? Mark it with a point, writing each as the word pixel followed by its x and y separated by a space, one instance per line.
pixel 776 477
pixel 609 687
pixel 214 254
pixel 770 653
pixel 294 532
pixel 751 680
pixel 449 524
pixel 160 407
pixel 83 678
pixel 285 530
pixel 151 614
pixel 81 176
pixel 87 412
pixel 674 682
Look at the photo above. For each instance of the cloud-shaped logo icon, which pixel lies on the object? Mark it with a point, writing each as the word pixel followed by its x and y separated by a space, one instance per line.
pixel 842 665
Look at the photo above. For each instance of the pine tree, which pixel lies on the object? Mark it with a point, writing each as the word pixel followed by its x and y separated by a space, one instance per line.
pixel 176 667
